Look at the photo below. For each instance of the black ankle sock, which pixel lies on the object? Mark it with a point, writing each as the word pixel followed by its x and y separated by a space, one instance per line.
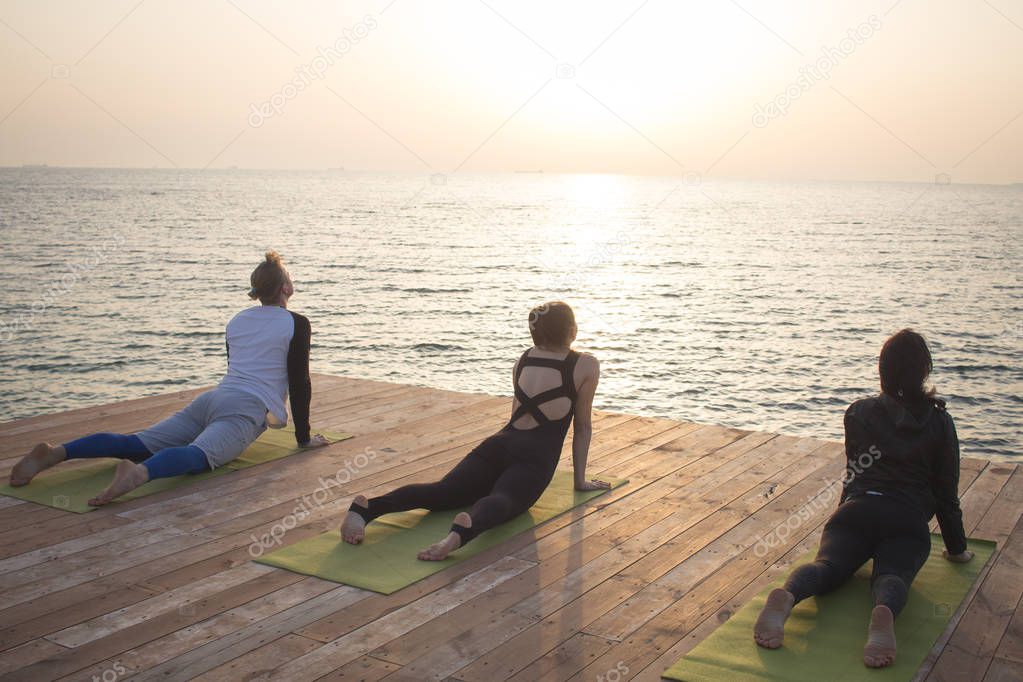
pixel 465 534
pixel 360 510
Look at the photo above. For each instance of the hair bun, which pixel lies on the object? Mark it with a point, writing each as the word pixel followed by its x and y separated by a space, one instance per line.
pixel 268 277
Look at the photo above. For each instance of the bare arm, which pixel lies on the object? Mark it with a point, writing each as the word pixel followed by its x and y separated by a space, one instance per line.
pixel 583 430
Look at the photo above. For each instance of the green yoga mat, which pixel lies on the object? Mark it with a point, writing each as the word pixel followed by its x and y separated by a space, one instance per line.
pixel 386 560
pixel 824 636
pixel 70 489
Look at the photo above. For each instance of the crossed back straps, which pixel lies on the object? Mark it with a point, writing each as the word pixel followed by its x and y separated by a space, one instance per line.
pixel 531 404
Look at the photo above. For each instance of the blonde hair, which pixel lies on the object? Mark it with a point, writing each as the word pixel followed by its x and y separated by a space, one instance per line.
pixel 268 278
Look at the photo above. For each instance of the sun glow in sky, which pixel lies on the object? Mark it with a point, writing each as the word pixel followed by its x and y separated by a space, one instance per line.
pixel 753 89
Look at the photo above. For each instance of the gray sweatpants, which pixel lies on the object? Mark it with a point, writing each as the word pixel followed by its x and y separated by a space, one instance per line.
pixel 221 422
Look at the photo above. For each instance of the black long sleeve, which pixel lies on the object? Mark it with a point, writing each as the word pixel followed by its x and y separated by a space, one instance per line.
pixel 853 447
pixel 946 491
pixel 300 388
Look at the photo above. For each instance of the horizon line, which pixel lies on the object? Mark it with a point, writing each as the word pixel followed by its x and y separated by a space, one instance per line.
pixel 540 171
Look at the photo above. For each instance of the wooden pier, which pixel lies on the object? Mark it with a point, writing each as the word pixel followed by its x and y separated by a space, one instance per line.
pixel 163 587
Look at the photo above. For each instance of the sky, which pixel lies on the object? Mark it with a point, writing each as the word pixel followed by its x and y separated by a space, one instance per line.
pixel 900 90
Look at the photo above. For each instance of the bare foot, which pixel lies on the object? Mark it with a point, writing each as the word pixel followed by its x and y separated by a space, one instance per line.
pixel 127 477
pixel 880 649
pixel 353 529
pixel 770 627
pixel 439 550
pixel 42 457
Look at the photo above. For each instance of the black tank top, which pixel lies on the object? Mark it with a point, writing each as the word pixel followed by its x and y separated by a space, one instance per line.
pixel 551 432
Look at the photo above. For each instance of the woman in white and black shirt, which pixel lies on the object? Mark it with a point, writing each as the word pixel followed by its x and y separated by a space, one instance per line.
pixel 268 359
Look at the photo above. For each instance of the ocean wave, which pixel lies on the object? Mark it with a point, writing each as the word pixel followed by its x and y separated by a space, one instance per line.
pixel 179 334
pixel 423 290
pixel 436 347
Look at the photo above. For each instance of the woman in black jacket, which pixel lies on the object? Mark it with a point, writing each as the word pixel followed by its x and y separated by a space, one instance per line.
pixel 902 469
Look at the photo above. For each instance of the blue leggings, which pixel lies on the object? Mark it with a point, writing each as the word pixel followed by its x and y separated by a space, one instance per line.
pixel 164 464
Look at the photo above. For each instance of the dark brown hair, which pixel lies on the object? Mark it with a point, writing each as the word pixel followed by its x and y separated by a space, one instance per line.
pixel 904 365
pixel 268 278
pixel 551 324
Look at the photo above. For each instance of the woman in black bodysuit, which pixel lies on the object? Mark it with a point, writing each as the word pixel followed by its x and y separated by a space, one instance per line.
pixel 902 469
pixel 503 476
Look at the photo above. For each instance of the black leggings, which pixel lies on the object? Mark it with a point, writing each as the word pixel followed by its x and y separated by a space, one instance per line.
pixel 894 535
pixel 498 484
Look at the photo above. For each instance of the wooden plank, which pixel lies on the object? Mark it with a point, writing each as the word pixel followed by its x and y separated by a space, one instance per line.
pixel 231 625
pixel 26 654
pixel 181 599
pixel 58 578
pixel 363 640
pixel 27 537
pixel 1003 514
pixel 57 548
pixel 574 654
pixel 1002 670
pixel 261 662
pixel 73 660
pixel 540 638
pixel 981 494
pixel 37 624
pixel 1010 648
pixel 239 642
pixel 363 669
